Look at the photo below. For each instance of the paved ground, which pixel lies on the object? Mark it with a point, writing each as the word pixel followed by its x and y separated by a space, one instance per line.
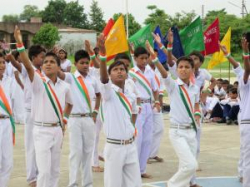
pixel 219 157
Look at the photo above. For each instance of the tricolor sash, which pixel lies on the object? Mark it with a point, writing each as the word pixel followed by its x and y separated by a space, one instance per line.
pixel 53 99
pixel 142 80
pixel 159 85
pixel 187 103
pixel 84 91
pixel 6 107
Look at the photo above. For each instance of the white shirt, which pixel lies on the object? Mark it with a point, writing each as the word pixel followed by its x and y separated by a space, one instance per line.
pixel 9 71
pixel 161 86
pixel 200 78
pixel 245 99
pixel 44 111
pixel 178 112
pixel 220 92
pixel 130 85
pixel 64 65
pixel 6 84
pixel 230 102
pixel 238 71
pixel 79 103
pixel 150 76
pixel 117 122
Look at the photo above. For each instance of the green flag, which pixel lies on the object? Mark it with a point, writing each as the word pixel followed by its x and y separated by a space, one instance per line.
pixel 140 37
pixel 192 37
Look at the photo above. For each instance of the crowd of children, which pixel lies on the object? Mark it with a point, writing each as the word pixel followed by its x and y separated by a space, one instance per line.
pixel 126 102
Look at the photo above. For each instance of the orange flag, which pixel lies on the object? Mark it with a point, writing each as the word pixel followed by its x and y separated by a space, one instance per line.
pixel 116 41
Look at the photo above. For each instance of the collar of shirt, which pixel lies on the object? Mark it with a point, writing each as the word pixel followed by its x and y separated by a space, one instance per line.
pixel 78 74
pixel 180 82
pixel 118 89
pixel 147 68
pixel 48 80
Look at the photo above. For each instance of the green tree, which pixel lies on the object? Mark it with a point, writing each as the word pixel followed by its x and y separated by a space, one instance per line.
pixel 96 17
pixel 54 11
pixel 74 15
pixel 47 36
pixel 181 20
pixel 28 12
pixel 158 17
pixel 10 18
pixel 133 25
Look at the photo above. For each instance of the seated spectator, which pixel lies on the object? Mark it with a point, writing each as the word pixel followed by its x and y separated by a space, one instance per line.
pixel 218 90
pixel 236 84
pixel 228 109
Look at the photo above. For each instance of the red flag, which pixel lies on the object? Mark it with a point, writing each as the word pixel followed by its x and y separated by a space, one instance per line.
pixel 108 27
pixel 211 38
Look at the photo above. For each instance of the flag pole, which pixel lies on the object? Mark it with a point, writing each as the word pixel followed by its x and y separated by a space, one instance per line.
pixel 229 72
pixel 127 17
pixel 220 70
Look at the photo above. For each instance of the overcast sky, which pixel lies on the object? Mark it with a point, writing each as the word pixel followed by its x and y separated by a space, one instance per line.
pixel 136 7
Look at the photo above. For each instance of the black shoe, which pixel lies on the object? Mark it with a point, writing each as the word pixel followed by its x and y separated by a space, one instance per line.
pixel 222 121
pixel 228 121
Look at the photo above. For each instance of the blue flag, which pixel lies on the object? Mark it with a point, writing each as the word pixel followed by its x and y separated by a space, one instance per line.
pixel 161 55
pixel 177 46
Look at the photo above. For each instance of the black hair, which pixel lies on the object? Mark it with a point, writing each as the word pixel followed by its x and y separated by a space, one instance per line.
pixel 54 56
pixel 225 82
pixel 123 56
pixel 81 54
pixel 140 51
pixel 1 55
pixel 117 63
pixel 236 82
pixel 233 91
pixel 229 87
pixel 198 54
pixel 185 58
pixel 220 80
pixel 35 50
pixel 16 54
pixel 155 50
pixel 65 52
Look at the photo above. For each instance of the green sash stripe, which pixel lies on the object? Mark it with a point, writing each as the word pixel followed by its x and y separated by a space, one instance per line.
pixel 83 92
pixel 101 111
pixel 124 104
pixel 12 121
pixel 53 104
pixel 141 83
pixel 187 108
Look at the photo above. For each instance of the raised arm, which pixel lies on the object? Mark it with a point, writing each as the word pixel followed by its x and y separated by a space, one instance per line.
pixel 245 48
pixel 15 63
pixel 24 57
pixel 155 60
pixel 92 55
pixel 229 57
pixel 103 66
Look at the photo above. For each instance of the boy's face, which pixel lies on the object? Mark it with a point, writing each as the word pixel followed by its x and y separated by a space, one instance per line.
pixel 197 62
pixel 118 74
pixel 224 86
pixel 142 60
pixel 2 66
pixel 184 70
pixel 50 66
pixel 219 84
pixel 233 95
pixel 38 60
pixel 82 66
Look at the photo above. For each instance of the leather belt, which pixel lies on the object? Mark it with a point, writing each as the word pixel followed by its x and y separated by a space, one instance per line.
pixel 121 142
pixel 175 126
pixel 145 100
pixel 47 124
pixel 4 117
pixel 81 115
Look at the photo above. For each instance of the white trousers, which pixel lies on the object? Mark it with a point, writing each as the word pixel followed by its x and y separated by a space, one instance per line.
pixel 81 137
pixel 6 151
pixel 48 143
pixel 121 166
pixel 95 156
pixel 245 141
pixel 158 130
pixel 31 167
pixel 144 125
pixel 184 143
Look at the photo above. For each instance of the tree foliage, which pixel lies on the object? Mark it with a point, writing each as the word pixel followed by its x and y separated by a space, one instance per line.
pixel 12 18
pixel 133 25
pixel 47 36
pixel 96 17
pixel 28 12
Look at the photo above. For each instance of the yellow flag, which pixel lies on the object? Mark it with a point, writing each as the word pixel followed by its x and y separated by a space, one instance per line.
pixel 116 41
pixel 219 57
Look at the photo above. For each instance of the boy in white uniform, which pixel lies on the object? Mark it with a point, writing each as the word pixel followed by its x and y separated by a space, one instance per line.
pixel 51 96
pixel 118 106
pixel 184 115
pixel 7 126
pixel 81 121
